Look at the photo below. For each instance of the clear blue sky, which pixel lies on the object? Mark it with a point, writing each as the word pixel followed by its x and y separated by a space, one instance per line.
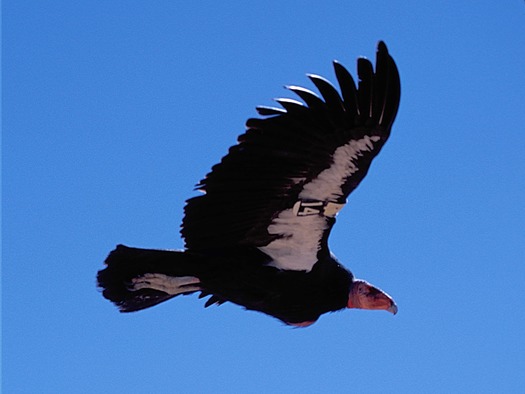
pixel 113 110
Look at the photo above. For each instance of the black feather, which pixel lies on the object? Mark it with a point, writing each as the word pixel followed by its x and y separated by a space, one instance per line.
pixel 348 91
pixel 365 71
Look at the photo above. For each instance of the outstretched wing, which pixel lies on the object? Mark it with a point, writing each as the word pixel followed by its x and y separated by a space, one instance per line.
pixel 281 186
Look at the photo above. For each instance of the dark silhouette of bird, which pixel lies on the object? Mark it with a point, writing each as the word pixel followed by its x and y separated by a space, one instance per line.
pixel 258 234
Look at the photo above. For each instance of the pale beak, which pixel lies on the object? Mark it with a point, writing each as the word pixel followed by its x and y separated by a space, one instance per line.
pixel 392 308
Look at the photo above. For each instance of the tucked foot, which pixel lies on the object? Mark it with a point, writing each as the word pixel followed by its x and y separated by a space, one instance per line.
pixel 171 285
pixel 302 324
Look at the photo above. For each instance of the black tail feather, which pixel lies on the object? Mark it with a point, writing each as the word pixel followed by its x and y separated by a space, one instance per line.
pixel 125 263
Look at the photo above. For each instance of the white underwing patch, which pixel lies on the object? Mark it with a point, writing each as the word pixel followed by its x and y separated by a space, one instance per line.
pixel 297 249
pixel 327 185
pixel 299 243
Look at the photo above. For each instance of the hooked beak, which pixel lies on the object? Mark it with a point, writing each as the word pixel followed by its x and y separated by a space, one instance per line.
pixel 363 295
pixel 392 308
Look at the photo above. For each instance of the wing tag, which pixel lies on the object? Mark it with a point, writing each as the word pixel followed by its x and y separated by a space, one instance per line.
pixel 308 208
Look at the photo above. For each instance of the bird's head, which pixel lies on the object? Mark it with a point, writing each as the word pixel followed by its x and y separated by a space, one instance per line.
pixel 365 296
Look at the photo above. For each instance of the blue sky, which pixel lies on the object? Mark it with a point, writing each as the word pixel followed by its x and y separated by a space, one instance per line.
pixel 112 111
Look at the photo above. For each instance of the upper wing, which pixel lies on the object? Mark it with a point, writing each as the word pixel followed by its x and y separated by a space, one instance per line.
pixel 283 183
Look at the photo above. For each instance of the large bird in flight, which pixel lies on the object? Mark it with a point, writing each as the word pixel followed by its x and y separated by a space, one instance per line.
pixel 258 235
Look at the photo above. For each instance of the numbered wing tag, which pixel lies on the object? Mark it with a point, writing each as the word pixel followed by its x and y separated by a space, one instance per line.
pixel 308 208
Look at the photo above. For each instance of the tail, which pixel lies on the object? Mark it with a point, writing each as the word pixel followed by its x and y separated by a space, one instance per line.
pixel 124 263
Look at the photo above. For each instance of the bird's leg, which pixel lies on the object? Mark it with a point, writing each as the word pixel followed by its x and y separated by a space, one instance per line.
pixel 171 285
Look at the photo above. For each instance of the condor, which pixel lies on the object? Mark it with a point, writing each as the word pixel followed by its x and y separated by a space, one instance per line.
pixel 258 235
